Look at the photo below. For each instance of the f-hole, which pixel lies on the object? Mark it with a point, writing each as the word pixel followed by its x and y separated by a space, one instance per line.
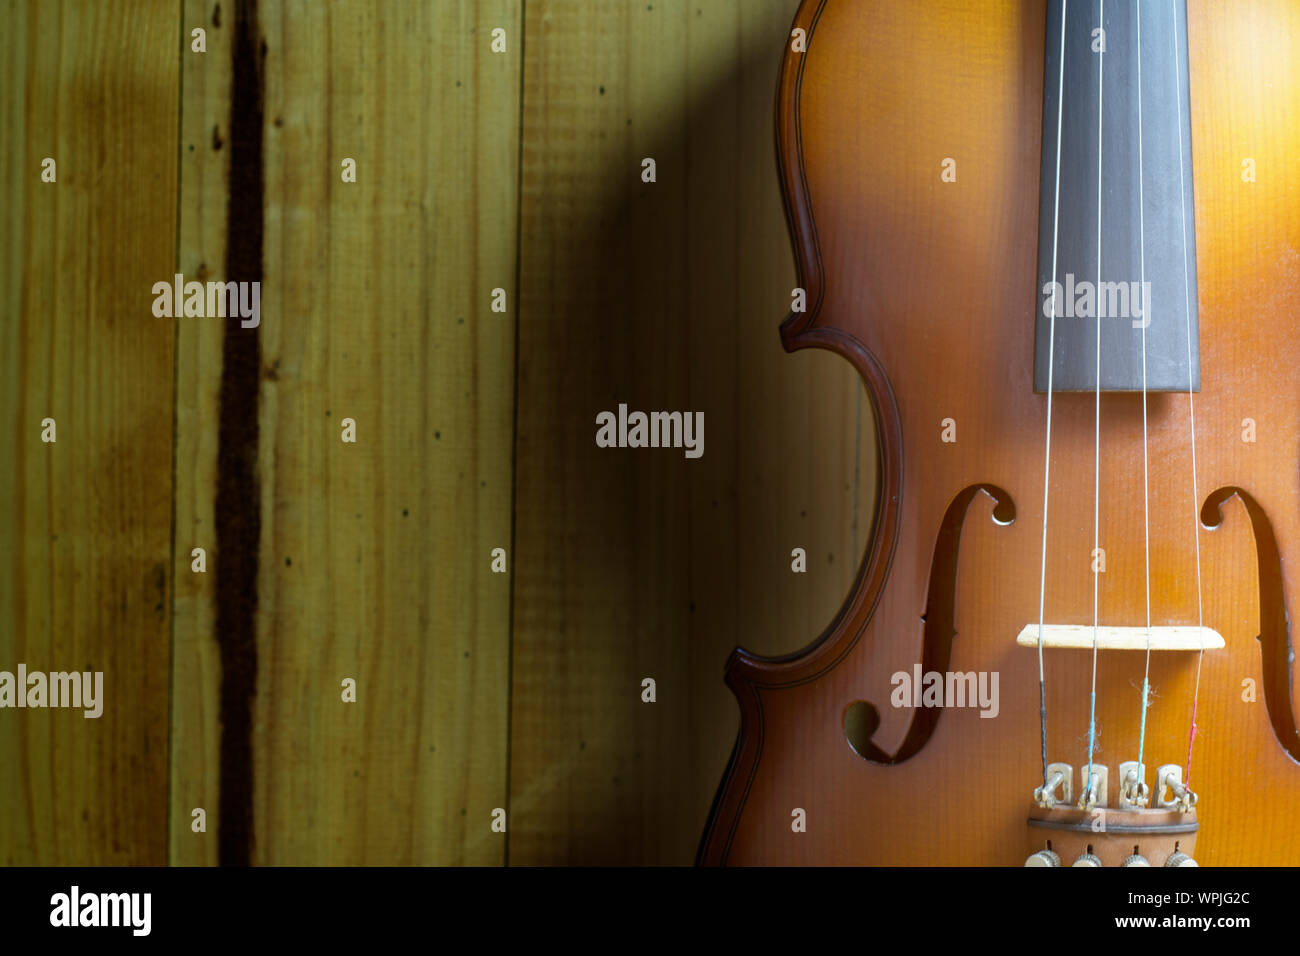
pixel 1274 636
pixel 861 718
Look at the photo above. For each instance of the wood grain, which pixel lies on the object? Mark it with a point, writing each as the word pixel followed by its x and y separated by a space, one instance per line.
pixel 374 561
pixel 375 557
pixel 641 563
pixel 85 522
pixel 196 663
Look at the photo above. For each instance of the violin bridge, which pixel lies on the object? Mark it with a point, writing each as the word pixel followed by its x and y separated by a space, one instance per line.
pixel 1108 638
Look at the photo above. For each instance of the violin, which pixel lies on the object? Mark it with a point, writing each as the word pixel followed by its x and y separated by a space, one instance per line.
pixel 1060 244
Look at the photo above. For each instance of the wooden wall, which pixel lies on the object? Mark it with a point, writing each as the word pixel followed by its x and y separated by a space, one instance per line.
pixel 85 522
pixel 476 170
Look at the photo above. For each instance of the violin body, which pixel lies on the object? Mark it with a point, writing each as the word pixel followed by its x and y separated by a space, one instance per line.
pixel 927 285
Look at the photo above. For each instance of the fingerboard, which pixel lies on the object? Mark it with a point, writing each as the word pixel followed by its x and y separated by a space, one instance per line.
pixel 1125 145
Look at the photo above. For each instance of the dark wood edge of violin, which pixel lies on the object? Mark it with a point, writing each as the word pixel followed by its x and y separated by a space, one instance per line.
pixel 747 673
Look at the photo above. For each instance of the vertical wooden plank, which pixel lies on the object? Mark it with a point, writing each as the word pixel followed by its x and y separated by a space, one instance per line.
pixel 85 522
pixel 597 530
pixel 376 308
pixel 638 563
pixel 196 663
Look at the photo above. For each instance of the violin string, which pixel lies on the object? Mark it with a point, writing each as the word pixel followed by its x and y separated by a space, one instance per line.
pixel 1096 475
pixel 1191 410
pixel 1051 355
pixel 1146 320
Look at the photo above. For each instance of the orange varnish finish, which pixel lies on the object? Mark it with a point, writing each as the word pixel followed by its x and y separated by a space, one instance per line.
pixel 929 289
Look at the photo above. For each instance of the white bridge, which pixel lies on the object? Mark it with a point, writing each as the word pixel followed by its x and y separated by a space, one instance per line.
pixel 1179 637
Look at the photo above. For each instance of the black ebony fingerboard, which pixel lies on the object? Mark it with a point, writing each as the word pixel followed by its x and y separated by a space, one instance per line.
pixel 1159 223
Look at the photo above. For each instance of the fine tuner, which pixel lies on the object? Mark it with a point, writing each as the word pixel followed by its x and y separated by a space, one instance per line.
pixel 1171 792
pixel 1091 832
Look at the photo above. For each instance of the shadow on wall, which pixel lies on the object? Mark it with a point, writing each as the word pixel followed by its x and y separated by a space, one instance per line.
pixel 644 563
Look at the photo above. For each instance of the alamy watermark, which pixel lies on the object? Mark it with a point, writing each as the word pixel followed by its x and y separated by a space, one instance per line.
pixel 935 689
pixel 1089 300
pixel 75 689
pixel 651 430
pixel 215 299
pixel 75 908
